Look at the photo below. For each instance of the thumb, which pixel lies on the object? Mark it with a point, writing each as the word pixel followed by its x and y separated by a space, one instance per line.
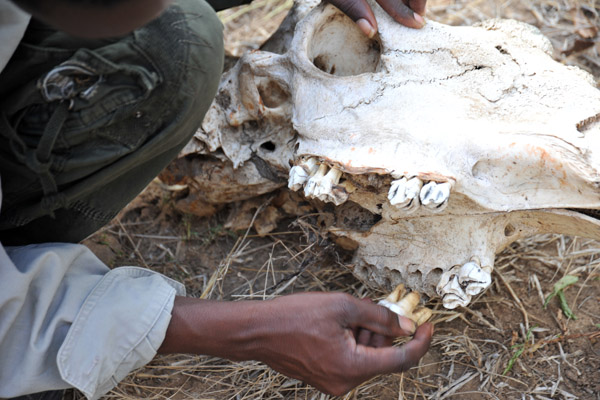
pixel 385 360
pixel 360 12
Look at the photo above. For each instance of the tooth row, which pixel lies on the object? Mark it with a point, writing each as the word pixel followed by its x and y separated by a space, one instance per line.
pixel 319 181
pixel 406 305
pixel 410 194
pixel 460 283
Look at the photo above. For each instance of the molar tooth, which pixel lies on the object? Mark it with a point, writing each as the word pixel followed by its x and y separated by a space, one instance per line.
pixel 324 189
pixel 311 185
pixel 404 193
pixel 298 177
pixel 435 195
pixel 300 173
pixel 474 278
pixel 450 290
pixel 422 314
pixel 406 305
pixel 338 195
pixel 454 295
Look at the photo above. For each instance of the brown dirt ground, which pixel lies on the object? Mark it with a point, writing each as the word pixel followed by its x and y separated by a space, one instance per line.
pixel 471 348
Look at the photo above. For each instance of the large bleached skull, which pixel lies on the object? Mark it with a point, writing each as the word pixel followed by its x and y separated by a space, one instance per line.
pixel 438 147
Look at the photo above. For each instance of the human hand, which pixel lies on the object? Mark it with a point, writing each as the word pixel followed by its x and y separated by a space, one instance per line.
pixel 407 12
pixel 334 341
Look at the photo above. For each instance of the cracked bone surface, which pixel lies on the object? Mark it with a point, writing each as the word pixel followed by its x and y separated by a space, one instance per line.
pixel 505 140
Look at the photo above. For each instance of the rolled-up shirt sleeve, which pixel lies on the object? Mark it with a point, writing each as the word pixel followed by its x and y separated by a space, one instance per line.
pixel 67 320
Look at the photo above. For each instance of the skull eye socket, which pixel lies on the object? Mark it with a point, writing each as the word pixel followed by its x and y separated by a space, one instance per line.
pixel 338 47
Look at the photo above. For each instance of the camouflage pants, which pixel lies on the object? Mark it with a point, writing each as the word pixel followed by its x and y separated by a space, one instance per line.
pixel 86 124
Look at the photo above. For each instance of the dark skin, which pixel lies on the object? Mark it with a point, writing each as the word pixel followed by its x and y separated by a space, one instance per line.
pixel 332 341
pixel 100 21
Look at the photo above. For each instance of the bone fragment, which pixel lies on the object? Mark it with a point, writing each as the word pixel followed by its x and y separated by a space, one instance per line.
pixel 300 173
pixel 406 305
pixel 404 193
pixel 435 195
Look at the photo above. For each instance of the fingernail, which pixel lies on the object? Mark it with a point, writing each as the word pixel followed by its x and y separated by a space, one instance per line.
pixel 366 27
pixel 419 19
pixel 407 325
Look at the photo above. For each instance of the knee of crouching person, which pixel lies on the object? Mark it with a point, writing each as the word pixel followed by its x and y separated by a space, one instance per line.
pixel 203 37
pixel 186 46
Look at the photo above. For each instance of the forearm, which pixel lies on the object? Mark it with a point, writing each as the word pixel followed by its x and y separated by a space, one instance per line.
pixel 224 329
pixel 310 336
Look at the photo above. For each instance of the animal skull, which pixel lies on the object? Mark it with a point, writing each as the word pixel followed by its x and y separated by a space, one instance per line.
pixel 438 146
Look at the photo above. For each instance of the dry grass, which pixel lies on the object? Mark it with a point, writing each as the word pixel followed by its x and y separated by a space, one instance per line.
pixel 551 357
pixel 471 349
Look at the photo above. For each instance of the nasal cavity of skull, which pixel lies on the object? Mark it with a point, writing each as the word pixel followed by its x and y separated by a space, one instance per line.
pixel 271 93
pixel 338 47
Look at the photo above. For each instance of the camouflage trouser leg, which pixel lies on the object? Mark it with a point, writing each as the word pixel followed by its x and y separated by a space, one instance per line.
pixel 86 124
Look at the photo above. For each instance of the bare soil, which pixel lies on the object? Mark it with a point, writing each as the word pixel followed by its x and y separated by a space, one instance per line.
pixel 553 357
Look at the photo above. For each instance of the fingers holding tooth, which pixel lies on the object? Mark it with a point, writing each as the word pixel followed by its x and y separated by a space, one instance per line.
pixel 407 305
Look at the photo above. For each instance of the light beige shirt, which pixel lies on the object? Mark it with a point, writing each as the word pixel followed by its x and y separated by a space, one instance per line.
pixel 13 22
pixel 66 320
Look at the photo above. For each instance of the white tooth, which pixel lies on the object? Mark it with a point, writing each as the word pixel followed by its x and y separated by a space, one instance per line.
pixel 474 278
pixel 392 306
pixel 450 290
pixel 435 195
pixel 404 193
pixel 311 185
pixel 451 301
pixel 454 295
pixel 310 165
pixel 300 173
pixel 324 188
pixel 298 177
pixel 338 195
